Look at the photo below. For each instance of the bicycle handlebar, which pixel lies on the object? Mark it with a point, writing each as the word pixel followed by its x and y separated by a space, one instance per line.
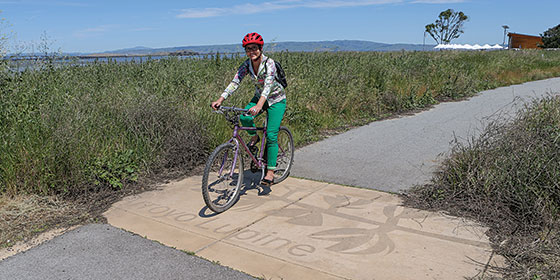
pixel 243 111
pixel 232 109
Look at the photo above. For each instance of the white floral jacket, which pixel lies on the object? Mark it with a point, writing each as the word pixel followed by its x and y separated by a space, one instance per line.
pixel 265 83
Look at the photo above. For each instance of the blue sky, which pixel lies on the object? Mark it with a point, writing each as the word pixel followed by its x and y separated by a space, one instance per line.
pixel 92 26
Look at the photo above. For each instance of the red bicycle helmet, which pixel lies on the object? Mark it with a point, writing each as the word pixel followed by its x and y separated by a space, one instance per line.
pixel 253 38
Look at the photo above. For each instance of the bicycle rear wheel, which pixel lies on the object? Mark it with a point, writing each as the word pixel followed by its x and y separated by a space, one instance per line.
pixel 285 154
pixel 222 178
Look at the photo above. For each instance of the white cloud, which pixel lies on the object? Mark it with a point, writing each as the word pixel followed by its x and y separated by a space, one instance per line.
pixel 438 1
pixel 337 4
pixel 48 3
pixel 67 3
pixel 94 31
pixel 249 8
pixel 141 29
pixel 201 13
pixel 246 9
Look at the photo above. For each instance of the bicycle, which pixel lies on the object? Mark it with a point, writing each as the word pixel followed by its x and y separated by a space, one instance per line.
pixel 224 171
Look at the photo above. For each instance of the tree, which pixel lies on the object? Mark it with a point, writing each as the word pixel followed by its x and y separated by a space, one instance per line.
pixel 447 27
pixel 551 38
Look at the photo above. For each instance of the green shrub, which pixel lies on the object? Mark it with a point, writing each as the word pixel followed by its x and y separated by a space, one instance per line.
pixel 113 170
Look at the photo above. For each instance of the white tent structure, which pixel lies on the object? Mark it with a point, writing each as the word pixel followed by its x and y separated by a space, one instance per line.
pixel 467 47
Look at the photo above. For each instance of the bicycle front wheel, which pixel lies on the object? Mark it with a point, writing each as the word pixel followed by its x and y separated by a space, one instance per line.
pixel 222 178
pixel 285 154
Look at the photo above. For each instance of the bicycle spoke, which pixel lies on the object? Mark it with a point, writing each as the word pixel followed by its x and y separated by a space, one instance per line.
pixel 285 154
pixel 222 178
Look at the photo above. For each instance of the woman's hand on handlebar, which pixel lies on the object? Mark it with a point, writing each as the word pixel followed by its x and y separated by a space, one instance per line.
pixel 255 110
pixel 216 104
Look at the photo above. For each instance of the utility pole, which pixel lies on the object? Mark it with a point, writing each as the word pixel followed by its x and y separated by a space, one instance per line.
pixel 505 27
pixel 424 42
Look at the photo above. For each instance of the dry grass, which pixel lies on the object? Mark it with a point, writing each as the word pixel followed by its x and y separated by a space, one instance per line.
pixel 24 216
pixel 509 180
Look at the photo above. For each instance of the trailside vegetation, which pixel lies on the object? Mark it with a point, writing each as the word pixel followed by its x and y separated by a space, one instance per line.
pixel 509 180
pixel 71 129
pixel 74 137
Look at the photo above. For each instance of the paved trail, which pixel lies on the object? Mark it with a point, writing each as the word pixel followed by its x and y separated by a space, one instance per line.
pixel 101 251
pixel 393 155
pixel 389 155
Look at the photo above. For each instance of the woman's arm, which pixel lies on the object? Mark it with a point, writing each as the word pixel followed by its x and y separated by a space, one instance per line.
pixel 232 87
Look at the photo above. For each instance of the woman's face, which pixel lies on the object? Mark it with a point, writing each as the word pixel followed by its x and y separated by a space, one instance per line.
pixel 253 51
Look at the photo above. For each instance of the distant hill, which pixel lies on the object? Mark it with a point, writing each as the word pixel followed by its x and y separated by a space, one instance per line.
pixel 339 45
pixel 135 49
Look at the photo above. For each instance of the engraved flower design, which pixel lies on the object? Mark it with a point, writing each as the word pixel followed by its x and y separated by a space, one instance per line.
pixel 351 240
pixel 312 216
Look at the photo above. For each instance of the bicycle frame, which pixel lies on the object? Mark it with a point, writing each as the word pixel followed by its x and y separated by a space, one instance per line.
pixel 236 138
pixel 220 191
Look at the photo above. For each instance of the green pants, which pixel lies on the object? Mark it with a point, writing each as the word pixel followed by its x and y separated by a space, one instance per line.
pixel 275 114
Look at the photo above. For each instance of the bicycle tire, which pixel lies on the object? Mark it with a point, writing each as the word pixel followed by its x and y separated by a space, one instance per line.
pixel 285 154
pixel 220 161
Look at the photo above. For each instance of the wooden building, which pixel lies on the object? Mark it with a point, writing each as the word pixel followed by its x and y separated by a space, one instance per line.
pixel 522 41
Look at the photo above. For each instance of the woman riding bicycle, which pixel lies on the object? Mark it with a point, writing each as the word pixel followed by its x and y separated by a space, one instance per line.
pixel 269 96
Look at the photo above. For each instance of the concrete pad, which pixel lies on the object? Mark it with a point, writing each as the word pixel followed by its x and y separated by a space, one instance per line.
pixel 165 233
pixel 261 265
pixel 310 230
pixel 180 205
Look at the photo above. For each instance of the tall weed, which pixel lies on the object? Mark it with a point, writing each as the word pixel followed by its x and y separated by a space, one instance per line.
pixel 70 129
pixel 509 179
